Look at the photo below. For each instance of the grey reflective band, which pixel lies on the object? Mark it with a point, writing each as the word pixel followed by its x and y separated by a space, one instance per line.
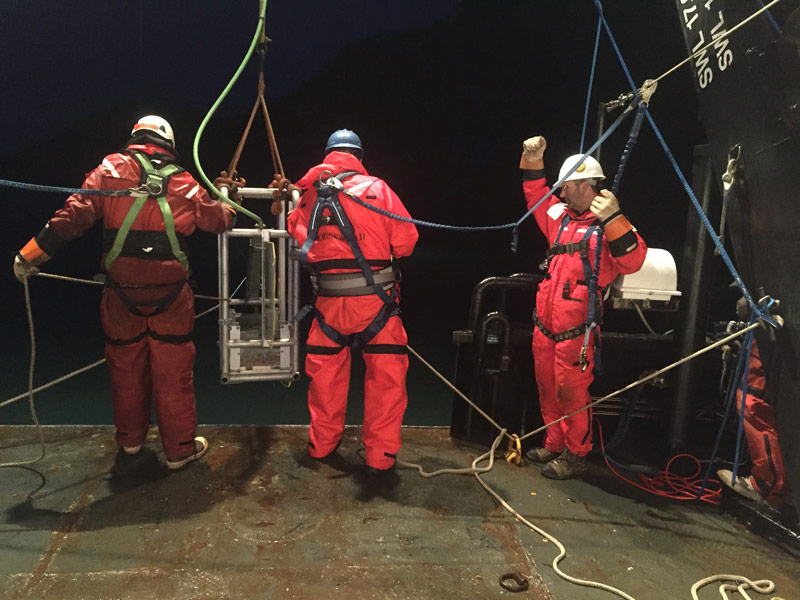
pixel 331 283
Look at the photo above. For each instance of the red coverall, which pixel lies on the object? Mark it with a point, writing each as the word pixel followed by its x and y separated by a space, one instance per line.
pixel 327 363
pixel 561 304
pixel 150 357
pixel 768 475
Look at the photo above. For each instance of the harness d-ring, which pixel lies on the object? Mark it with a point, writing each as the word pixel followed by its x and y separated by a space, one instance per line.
pixel 514 582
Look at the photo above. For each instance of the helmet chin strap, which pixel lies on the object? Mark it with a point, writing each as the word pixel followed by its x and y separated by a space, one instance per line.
pixel 145 137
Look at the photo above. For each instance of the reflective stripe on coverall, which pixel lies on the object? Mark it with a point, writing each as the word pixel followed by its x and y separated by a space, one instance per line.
pixel 151 356
pixel 768 474
pixel 327 363
pixel 561 304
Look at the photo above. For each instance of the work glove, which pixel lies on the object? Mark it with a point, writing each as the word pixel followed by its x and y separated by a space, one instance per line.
pixel 533 153
pixel 533 148
pixel 229 182
pixel 24 269
pixel 605 207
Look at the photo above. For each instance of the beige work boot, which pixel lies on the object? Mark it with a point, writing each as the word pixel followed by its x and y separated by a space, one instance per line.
pixel 200 449
pixel 566 466
pixel 743 486
pixel 541 455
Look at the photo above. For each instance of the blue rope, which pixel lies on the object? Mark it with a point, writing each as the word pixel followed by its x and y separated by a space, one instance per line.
pixel 729 404
pixel 728 263
pixel 710 228
pixel 391 215
pixel 614 45
pixel 742 385
pixel 591 83
pixel 771 19
pixel 623 161
pixel 65 190
pixel 599 141
pixel 61 190
pixel 629 144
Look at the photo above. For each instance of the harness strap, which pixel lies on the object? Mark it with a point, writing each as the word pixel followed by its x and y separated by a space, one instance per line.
pixel 351 284
pixel 569 334
pixel 144 245
pixel 569 248
pixel 581 247
pixel 328 198
pixel 590 276
pixel 592 321
pixel 346 263
pixel 166 338
pixel 323 350
pixel 161 304
pixel 354 340
pixel 122 232
pixel 156 182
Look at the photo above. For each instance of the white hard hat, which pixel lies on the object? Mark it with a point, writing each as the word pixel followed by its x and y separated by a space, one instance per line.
pixel 157 125
pixel 588 169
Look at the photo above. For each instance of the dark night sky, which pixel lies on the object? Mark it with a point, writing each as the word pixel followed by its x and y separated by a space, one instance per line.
pixel 442 93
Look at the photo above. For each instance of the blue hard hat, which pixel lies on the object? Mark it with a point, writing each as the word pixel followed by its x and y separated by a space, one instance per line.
pixel 344 138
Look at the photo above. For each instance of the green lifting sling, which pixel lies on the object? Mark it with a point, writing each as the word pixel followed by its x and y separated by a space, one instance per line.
pixel 156 183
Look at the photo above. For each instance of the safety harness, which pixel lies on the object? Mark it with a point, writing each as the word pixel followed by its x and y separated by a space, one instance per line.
pixel 147 245
pixel 380 282
pixel 590 275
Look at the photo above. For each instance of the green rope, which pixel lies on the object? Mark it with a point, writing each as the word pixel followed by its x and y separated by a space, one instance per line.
pixel 219 100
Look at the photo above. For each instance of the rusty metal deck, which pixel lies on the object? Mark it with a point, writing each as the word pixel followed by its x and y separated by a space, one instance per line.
pixel 258 519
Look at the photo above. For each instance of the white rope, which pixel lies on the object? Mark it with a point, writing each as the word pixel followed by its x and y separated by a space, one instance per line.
pixel 652 375
pixel 30 386
pixel 54 382
pixel 477 471
pixel 458 391
pixel 640 381
pixel 562 551
pixel 93 282
pixel 736 583
pixel 88 367
pixel 717 40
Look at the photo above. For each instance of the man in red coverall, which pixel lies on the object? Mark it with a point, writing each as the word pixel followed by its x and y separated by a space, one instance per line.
pixel 563 353
pixel 147 308
pixel 349 250
pixel 767 480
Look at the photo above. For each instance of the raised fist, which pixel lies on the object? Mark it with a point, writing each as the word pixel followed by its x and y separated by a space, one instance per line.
pixel 533 148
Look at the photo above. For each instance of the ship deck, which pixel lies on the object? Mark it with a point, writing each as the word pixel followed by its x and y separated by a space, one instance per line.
pixel 258 519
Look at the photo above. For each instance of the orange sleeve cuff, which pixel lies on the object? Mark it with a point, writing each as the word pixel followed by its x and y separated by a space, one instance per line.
pixel 33 253
pixel 532 165
pixel 616 228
